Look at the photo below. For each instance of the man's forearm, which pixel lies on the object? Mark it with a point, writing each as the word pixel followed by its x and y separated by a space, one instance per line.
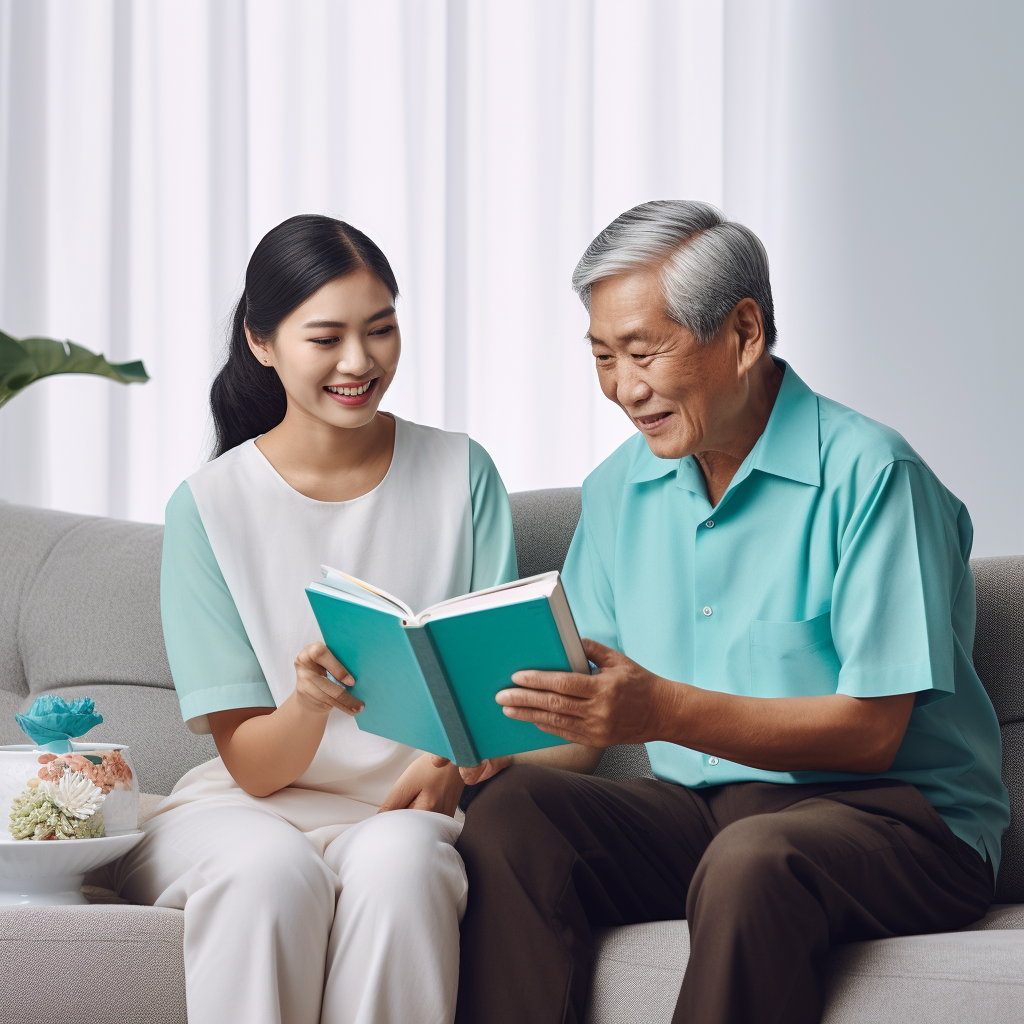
pixel 827 733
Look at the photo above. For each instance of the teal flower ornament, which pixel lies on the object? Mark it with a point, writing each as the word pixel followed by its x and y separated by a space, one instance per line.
pixel 51 723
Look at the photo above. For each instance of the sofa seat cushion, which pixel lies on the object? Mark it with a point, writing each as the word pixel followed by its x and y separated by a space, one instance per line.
pixel 975 974
pixel 92 965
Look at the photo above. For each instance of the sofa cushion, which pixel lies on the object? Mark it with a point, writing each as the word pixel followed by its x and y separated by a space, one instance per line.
pixel 543 523
pixel 999 638
pixel 956 976
pixel 92 613
pixel 27 536
pixel 92 965
pixel 1010 883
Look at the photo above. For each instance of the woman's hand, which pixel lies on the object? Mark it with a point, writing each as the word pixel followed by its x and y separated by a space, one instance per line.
pixel 314 691
pixel 423 786
pixel 478 772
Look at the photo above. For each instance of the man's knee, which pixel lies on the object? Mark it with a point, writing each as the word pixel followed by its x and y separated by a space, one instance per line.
pixel 750 862
pixel 521 789
pixel 504 816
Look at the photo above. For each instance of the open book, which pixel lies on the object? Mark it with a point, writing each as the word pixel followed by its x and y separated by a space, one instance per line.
pixel 429 679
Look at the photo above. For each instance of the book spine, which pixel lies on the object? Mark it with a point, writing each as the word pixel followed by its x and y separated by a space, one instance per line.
pixel 440 688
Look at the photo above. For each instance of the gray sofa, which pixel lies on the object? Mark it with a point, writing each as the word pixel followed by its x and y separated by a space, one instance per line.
pixel 79 615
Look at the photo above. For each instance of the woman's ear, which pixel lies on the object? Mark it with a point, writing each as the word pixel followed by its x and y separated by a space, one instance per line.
pixel 260 349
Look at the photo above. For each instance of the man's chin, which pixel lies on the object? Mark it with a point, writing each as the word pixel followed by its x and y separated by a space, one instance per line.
pixel 668 447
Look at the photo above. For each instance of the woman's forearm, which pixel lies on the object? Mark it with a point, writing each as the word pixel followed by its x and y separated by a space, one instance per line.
pixel 572 757
pixel 266 751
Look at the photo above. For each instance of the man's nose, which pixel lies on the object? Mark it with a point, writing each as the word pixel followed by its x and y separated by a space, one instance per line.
pixel 633 389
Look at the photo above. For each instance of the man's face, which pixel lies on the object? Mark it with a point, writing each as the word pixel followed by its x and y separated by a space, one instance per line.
pixel 682 395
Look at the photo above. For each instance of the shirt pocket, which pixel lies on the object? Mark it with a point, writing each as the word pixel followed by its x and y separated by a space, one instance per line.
pixel 793 659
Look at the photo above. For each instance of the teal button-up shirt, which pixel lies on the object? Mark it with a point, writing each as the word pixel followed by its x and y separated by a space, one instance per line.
pixel 836 562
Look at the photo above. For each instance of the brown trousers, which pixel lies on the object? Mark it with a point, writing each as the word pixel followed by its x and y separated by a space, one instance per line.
pixel 767 876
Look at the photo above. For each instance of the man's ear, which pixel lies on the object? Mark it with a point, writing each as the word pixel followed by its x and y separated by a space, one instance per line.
pixel 748 325
pixel 260 349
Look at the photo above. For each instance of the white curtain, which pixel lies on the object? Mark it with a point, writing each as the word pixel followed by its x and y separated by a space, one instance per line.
pixel 146 146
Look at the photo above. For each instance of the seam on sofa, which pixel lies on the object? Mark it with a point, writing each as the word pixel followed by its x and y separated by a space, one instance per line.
pixel 956 979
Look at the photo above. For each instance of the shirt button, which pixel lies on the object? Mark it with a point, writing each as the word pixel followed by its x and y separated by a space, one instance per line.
pixel 712 760
pixel 710 523
pixel 706 609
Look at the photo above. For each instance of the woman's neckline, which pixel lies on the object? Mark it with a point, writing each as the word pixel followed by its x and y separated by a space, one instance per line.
pixel 399 436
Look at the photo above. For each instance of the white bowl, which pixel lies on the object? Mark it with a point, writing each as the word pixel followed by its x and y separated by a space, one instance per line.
pixel 50 872
pixel 20 762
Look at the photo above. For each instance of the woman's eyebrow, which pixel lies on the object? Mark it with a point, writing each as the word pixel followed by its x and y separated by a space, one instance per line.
pixel 387 311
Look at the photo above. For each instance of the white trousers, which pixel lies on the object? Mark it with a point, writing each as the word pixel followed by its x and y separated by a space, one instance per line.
pixel 275 933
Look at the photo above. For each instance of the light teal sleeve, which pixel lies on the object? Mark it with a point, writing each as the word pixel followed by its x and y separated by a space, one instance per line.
pixel 494 546
pixel 587 584
pixel 900 568
pixel 212 662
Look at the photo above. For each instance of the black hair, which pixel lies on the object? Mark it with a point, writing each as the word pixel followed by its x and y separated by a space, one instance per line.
pixel 291 262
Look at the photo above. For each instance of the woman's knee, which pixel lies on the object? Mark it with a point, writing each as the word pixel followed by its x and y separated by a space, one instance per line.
pixel 400 855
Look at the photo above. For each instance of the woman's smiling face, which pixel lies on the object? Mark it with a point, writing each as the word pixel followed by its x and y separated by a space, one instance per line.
pixel 337 353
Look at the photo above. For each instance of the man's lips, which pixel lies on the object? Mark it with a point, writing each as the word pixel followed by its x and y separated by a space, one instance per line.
pixel 653 422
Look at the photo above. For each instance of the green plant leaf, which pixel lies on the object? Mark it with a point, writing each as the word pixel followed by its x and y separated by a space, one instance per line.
pixel 17 368
pixel 27 360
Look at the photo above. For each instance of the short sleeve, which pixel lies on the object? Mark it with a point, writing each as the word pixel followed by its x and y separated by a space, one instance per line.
pixel 494 546
pixel 212 662
pixel 900 568
pixel 588 587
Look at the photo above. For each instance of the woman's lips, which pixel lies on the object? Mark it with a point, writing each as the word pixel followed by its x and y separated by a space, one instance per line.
pixel 353 399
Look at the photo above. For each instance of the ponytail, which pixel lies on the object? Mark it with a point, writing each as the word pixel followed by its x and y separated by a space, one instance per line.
pixel 247 398
pixel 291 262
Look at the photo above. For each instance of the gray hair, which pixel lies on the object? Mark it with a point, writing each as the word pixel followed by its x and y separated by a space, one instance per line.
pixel 707 263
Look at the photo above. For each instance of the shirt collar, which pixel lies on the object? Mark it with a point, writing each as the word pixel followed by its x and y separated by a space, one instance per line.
pixel 788 447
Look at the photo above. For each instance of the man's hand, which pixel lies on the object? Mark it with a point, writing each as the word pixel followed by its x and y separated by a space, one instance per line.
pixel 425 786
pixel 621 703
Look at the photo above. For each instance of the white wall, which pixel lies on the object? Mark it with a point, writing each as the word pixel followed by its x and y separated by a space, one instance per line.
pixel 875 145
pixel 878 149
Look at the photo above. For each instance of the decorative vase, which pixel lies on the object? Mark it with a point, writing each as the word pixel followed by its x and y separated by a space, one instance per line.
pixel 51 870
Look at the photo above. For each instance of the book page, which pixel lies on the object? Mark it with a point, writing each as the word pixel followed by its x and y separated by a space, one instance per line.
pixel 494 597
pixel 341 581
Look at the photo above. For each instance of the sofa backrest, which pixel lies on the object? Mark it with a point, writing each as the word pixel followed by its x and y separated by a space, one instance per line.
pixel 80 616
pixel 544 523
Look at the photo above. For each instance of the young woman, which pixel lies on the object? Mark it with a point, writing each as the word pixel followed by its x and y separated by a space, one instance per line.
pixel 302 902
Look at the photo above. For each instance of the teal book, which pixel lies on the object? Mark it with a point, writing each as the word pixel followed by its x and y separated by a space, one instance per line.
pixel 429 679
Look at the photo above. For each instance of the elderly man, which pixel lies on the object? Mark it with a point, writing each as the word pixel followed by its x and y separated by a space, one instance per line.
pixel 779 604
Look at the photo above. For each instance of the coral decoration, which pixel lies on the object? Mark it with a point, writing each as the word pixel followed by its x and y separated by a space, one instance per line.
pixel 111 773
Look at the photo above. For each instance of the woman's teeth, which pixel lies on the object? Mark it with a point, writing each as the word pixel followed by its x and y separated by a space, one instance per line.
pixel 351 391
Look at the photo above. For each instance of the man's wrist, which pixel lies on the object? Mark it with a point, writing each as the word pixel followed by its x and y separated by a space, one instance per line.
pixel 670 709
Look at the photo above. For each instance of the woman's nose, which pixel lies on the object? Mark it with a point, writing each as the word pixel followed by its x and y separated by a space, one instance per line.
pixel 353 358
